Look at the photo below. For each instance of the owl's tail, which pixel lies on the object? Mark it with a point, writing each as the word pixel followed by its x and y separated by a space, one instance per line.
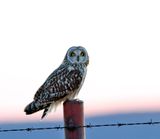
pixel 34 107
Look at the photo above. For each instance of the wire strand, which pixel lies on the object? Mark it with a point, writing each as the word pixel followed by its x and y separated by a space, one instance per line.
pixel 83 126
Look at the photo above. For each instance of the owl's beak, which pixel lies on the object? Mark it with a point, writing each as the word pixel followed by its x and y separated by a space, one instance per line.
pixel 78 58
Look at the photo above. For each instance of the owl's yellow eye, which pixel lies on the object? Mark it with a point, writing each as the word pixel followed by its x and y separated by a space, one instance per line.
pixel 72 54
pixel 82 54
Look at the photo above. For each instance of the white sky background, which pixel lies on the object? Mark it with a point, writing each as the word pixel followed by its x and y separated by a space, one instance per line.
pixel 122 39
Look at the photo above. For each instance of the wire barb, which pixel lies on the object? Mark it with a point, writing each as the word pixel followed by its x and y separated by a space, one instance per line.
pixel 83 126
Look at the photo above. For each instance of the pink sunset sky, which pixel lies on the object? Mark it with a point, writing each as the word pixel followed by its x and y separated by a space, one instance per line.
pixel 121 37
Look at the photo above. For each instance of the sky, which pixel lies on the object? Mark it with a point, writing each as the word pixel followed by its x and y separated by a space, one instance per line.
pixel 121 37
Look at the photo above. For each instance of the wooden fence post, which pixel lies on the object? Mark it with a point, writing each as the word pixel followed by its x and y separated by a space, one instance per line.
pixel 73 117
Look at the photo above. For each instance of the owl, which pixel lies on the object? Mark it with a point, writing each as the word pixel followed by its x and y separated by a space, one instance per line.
pixel 63 84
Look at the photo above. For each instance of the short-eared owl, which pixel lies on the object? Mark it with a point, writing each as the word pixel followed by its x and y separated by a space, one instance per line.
pixel 64 83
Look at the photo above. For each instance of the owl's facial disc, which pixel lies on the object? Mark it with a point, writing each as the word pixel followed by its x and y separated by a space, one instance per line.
pixel 77 55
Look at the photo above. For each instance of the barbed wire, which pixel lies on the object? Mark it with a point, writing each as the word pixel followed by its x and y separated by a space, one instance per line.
pixel 83 126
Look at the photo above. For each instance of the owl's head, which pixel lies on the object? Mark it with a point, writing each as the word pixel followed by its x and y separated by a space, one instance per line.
pixel 77 55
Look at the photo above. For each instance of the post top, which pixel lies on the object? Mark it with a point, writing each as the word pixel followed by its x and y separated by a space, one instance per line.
pixel 74 101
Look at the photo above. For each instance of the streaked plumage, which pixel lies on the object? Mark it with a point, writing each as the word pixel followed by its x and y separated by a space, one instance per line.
pixel 64 83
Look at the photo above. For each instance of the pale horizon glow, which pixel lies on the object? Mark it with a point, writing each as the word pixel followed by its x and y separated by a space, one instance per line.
pixel 121 37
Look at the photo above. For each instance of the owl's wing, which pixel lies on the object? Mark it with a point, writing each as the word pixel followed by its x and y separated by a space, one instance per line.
pixel 59 84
